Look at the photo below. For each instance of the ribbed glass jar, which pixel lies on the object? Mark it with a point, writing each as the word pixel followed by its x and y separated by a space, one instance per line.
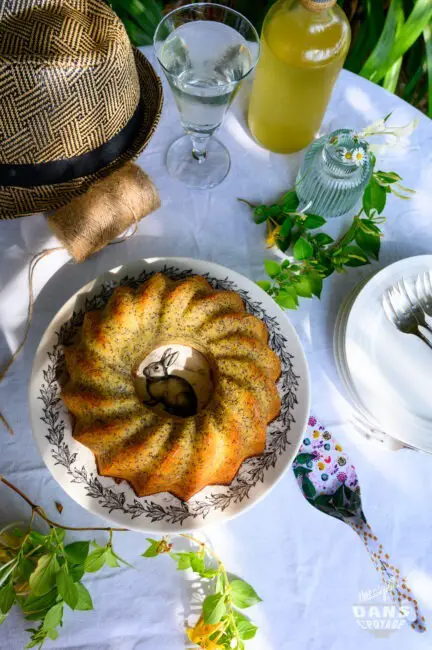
pixel 334 174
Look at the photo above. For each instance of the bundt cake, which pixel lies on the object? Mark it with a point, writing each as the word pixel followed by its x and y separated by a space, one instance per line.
pixel 172 450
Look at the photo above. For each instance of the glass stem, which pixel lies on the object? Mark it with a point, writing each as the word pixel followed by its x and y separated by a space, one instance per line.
pixel 199 146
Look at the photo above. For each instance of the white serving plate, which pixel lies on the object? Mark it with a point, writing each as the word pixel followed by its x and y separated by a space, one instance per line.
pixel 73 465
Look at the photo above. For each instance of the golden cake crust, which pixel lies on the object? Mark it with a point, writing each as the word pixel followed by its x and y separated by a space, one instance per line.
pixel 162 452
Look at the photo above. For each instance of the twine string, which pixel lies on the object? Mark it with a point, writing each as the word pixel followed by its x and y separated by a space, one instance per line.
pixel 91 222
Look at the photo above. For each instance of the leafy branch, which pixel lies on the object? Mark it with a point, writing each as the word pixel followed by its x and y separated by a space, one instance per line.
pixel 220 626
pixel 43 576
pixel 315 255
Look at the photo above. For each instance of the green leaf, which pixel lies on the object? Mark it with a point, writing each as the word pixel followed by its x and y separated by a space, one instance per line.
pixel 152 550
pixel 245 627
pixel 76 571
pixel 287 299
pixel 53 634
pixel 84 602
pixel 301 471
pixel 214 608
pixel 39 604
pixel 374 197
pixel 338 497
pixel 419 18
pixel 243 594
pixel 7 598
pixel 272 268
pixel 3 617
pixel 316 283
pixel 380 56
pixel 183 561
pixel 95 560
pixel 197 563
pixel 209 573
pixel 313 221
pixel 354 256
pixel 37 538
pixel 54 617
pixel 286 228
pixel 67 588
pixel 303 458
pixel 24 569
pixel 260 214
pixel 77 552
pixel 289 202
pixel 111 560
pixel 369 243
pixel 273 210
pixel 388 177
pixel 43 577
pixel 302 249
pixel 264 284
pixel 308 487
pixel 58 534
pixel 322 239
pixel 324 500
pixel 427 35
pixel 220 582
pixel 303 286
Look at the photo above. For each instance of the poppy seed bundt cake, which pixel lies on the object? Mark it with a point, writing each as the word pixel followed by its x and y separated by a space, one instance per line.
pixel 161 451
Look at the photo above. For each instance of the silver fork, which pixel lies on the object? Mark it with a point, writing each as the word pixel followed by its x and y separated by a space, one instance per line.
pixel 402 317
pixel 415 307
pixel 425 293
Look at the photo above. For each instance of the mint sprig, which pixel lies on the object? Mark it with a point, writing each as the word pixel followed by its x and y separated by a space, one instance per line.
pixel 315 254
pixel 42 575
pixel 220 625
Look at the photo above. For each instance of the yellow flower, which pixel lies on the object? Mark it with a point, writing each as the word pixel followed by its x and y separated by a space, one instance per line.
pixel 272 236
pixel 316 434
pixel 321 465
pixel 338 448
pixel 201 633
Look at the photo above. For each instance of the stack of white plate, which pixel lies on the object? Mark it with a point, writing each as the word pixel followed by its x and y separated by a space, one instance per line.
pixel 387 374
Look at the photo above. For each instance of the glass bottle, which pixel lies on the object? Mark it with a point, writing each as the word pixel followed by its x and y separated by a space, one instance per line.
pixel 334 174
pixel 303 47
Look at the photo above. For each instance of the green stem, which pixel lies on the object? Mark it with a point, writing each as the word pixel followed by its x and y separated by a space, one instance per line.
pixel 348 236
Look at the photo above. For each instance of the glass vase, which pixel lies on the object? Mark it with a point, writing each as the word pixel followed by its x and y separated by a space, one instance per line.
pixel 334 174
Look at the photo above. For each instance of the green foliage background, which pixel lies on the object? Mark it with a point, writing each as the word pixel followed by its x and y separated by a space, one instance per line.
pixel 391 45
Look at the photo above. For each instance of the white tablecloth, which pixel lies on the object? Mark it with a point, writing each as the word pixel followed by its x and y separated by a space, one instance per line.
pixel 307 567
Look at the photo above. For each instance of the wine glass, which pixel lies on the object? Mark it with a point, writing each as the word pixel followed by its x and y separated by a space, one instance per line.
pixel 205 51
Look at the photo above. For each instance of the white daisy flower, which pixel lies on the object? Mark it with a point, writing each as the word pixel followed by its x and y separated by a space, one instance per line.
pixel 359 156
pixel 346 154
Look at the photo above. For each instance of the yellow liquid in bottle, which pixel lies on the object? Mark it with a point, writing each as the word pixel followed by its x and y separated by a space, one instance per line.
pixel 302 54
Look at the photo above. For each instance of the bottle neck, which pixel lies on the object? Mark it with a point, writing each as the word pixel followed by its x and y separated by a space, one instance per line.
pixel 317 5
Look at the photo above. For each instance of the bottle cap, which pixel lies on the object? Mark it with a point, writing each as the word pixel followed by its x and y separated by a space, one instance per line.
pixel 318 5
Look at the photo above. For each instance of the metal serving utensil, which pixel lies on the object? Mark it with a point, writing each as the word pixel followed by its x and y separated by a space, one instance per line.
pixel 329 482
pixel 403 314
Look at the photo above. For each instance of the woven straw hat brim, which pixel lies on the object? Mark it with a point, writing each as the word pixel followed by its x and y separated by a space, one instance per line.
pixel 23 201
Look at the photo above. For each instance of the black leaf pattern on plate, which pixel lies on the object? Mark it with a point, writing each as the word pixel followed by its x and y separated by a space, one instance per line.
pixel 172 510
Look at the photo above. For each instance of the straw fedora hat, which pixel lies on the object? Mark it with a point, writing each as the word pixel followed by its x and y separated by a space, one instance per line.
pixel 76 101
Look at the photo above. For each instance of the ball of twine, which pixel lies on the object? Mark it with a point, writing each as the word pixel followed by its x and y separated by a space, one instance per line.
pixel 108 208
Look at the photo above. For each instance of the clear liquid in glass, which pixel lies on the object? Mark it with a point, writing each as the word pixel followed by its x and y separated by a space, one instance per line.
pixel 204 61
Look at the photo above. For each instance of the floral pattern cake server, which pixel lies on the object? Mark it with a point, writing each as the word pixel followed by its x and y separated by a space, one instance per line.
pixel 329 482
